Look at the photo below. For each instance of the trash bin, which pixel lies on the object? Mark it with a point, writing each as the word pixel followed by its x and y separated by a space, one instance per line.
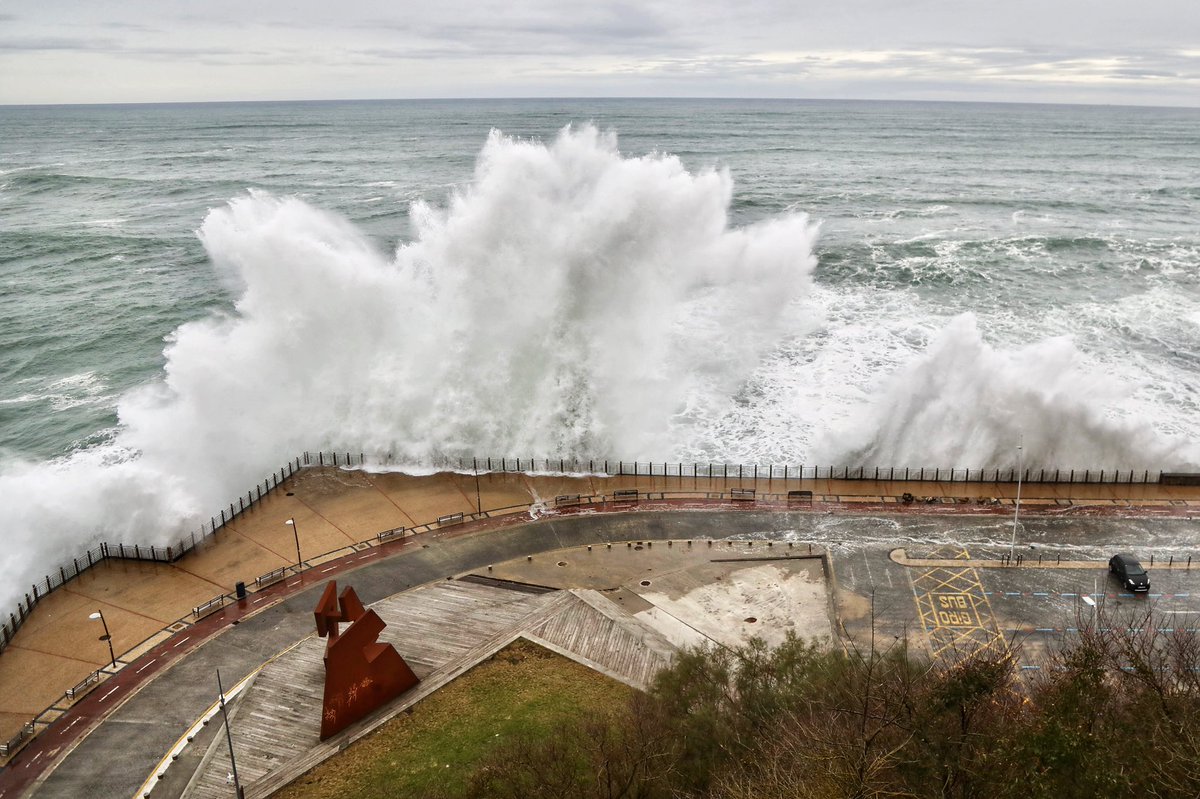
pixel 240 589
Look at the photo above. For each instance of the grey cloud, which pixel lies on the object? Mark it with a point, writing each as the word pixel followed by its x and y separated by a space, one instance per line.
pixel 618 28
pixel 59 43
pixel 115 47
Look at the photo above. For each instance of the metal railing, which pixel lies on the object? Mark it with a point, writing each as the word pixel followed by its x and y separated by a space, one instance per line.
pixel 66 572
pixel 616 498
pixel 756 471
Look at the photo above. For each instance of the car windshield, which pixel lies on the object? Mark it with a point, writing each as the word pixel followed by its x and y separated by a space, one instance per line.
pixel 1135 571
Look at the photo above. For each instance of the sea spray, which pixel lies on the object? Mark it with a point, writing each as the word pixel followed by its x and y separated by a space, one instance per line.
pixel 964 403
pixel 569 302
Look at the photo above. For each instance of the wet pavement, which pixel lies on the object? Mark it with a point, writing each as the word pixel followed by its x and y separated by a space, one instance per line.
pixel 940 607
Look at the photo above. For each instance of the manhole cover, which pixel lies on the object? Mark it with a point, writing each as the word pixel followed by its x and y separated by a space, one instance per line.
pixel 562 563
pixel 645 582
pixel 639 546
pixel 750 620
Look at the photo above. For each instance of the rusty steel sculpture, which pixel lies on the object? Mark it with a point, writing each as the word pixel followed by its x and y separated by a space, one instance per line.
pixel 361 674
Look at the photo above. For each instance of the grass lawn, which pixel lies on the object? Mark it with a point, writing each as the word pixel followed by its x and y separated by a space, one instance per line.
pixel 437 745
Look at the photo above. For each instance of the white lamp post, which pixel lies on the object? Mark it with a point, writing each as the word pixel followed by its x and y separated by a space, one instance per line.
pixel 1016 513
pixel 107 637
pixel 1087 600
pixel 296 532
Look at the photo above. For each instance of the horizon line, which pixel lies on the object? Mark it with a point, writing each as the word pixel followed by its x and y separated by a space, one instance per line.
pixel 532 98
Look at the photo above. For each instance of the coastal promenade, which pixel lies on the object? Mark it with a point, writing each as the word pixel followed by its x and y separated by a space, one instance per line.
pixel 338 515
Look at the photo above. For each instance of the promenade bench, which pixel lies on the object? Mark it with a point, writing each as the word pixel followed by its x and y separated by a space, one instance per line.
pixel 90 681
pixel 273 576
pixel 800 497
pixel 14 743
pixel 387 535
pixel 212 605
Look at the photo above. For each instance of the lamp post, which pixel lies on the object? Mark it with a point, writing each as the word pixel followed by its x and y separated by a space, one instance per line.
pixel 1091 603
pixel 478 501
pixel 107 637
pixel 296 532
pixel 237 783
pixel 1016 513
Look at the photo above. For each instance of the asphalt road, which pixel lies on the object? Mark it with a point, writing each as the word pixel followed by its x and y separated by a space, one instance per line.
pixel 877 596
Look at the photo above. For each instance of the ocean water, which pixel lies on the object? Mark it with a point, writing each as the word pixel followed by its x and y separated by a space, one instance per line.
pixel 189 295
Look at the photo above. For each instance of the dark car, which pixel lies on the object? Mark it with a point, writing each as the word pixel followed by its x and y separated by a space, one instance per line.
pixel 1129 572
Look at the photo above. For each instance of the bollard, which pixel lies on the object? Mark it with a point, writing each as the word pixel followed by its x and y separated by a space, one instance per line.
pixel 1151 558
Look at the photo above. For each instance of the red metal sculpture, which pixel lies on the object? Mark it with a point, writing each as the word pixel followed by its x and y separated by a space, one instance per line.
pixel 361 674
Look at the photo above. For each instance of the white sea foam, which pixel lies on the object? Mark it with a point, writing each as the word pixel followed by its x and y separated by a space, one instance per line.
pixel 965 402
pixel 569 302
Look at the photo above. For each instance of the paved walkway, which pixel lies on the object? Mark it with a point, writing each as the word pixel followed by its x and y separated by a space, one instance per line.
pixel 115 758
pixel 336 510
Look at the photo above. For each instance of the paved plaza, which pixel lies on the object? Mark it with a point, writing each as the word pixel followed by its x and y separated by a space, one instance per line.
pixel 936 574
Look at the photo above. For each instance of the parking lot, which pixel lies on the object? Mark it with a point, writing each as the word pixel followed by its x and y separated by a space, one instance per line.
pixel 951 591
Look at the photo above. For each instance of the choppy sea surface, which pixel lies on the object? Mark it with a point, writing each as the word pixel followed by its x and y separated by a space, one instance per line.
pixel 191 294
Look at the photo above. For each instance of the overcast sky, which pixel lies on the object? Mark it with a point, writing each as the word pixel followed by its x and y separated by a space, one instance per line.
pixel 1144 52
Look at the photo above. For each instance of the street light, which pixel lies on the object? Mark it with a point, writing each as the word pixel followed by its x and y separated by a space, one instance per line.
pixel 1016 513
pixel 1091 603
pixel 237 783
pixel 106 637
pixel 296 532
